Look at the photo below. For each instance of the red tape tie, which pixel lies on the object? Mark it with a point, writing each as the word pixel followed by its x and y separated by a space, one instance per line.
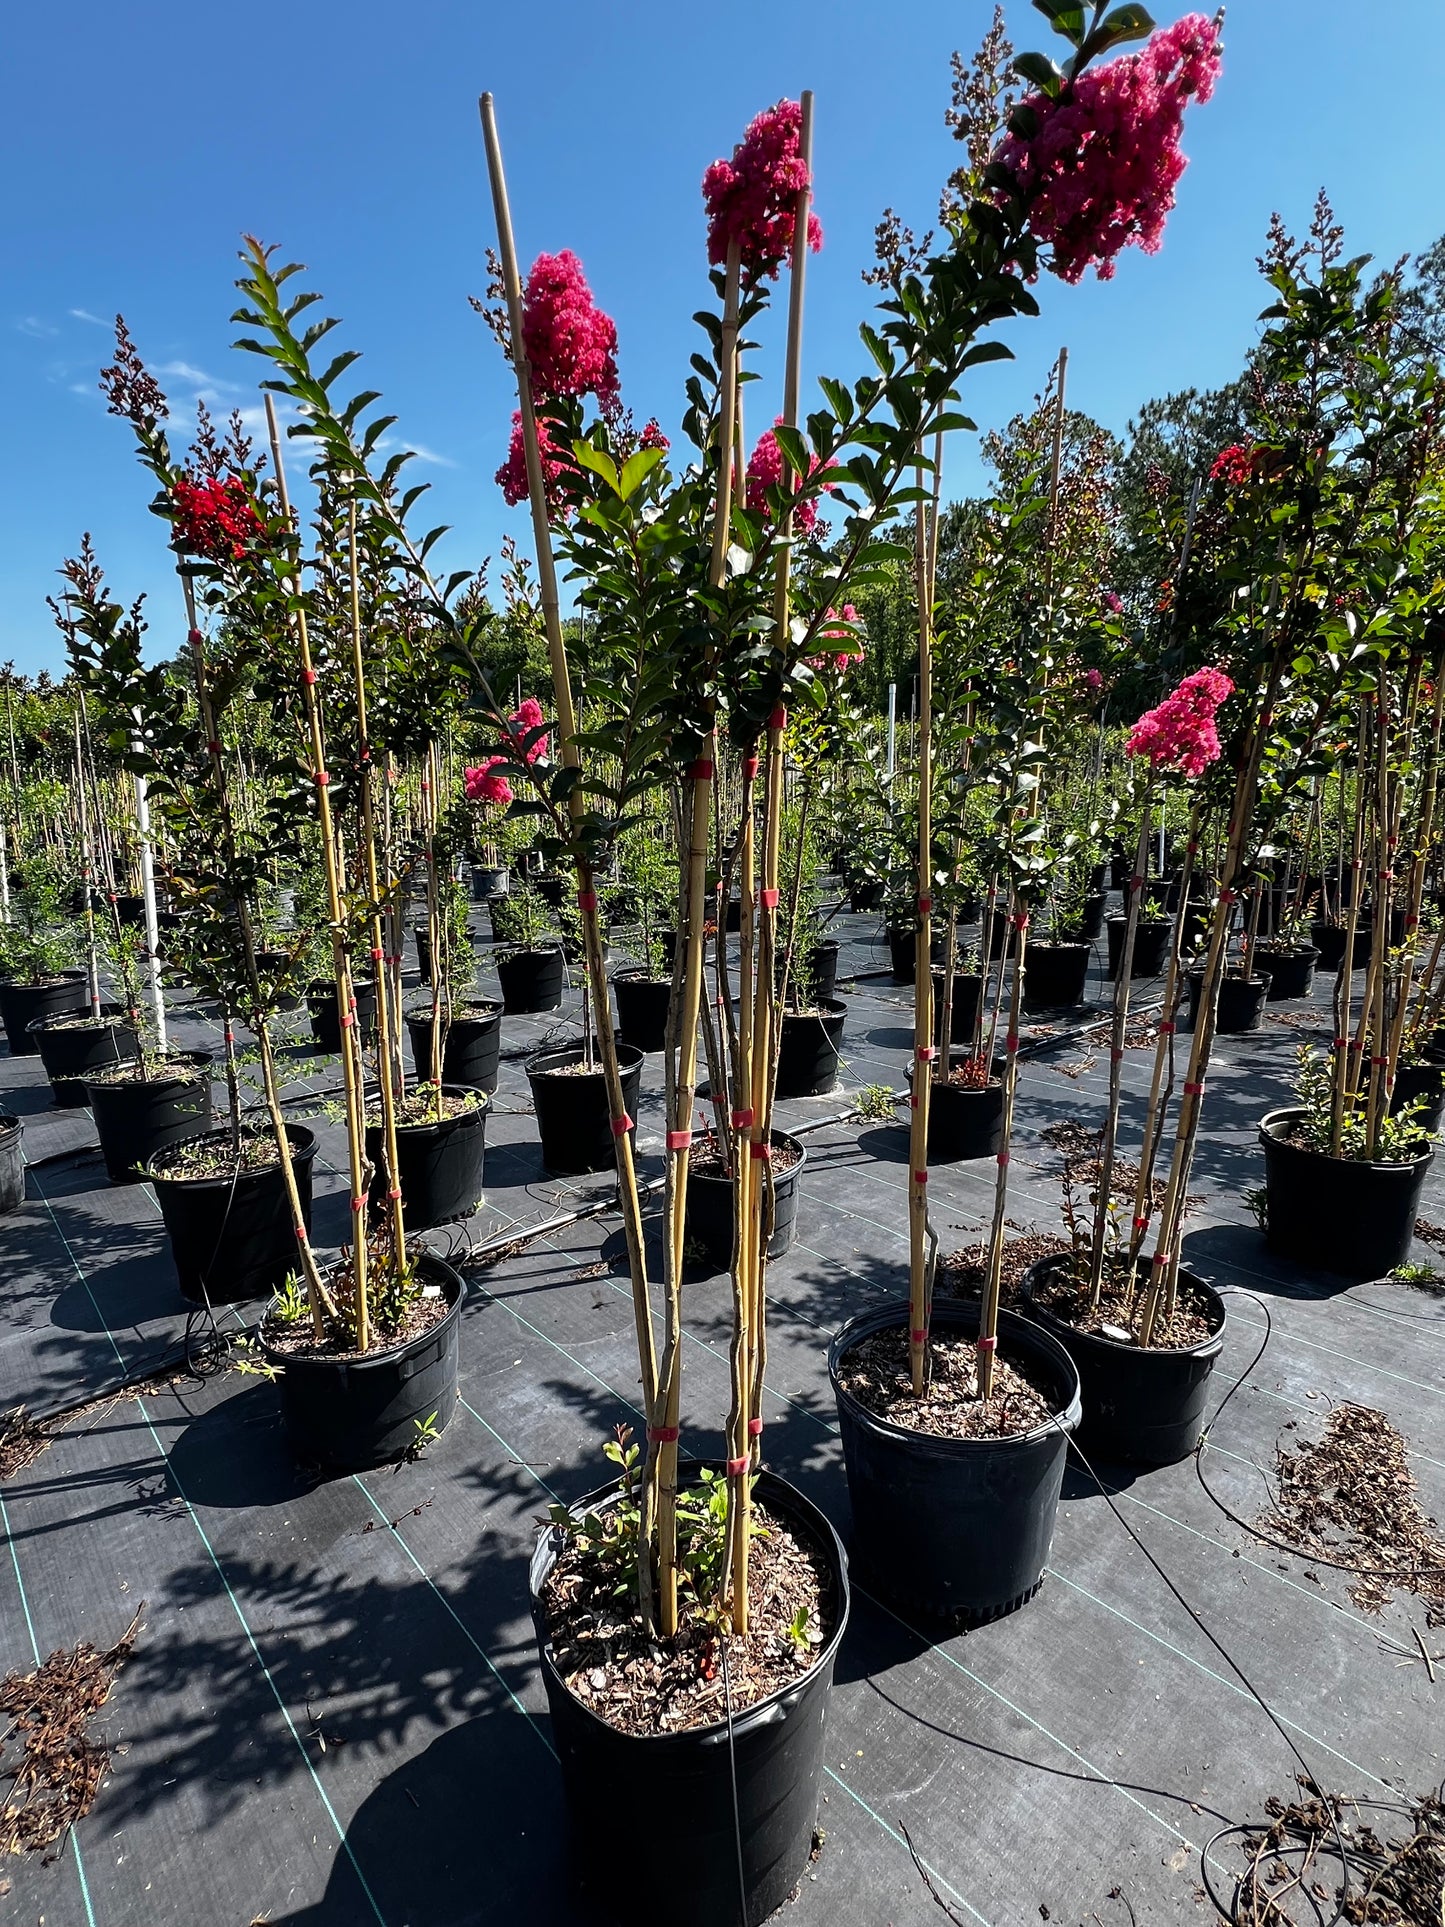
pixel 986 1345
pixel 378 956
pixel 586 900
pixel 919 1337
pixel 621 1125
pixel 925 906
pixel 758 1151
pixel 755 1428
pixel 927 1053
pixel 920 1177
pixel 358 1204
pixel 1193 1090
pixel 701 771
pixel 750 768
pixel 1166 1030
pixel 214 747
pixel 1141 1224
pixel 737 1467
pixel 768 899
pixel 1011 1040
pixel 779 718
pixel 323 777
pixel 663 1434
pixel 1002 1158
pixel 742 1119
pixel 1342 1043
pixel 308 676
pixel 1021 920
pixel 194 636
pixel 1229 896
pixel 679 1140
pixel 1115 1056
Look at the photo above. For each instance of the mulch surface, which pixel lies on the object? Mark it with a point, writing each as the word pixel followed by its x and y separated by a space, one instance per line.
pixel 876 1372
pixel 963 1272
pixel 1118 1312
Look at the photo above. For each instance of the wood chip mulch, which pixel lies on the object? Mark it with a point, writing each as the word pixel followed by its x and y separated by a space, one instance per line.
pixel 1394 1862
pixel 642 1684
pixel 876 1372
pixel 962 1272
pixel 55 1780
pixel 1115 1312
pixel 1349 1499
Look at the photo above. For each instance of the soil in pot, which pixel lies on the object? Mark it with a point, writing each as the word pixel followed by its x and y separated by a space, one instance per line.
pixel 21 1005
pixel 629 1710
pixel 1151 946
pixel 326 1025
pixel 569 1097
pixel 1055 975
pixel 1141 1406
pixel 1291 969
pixel 710 1200
pixel 12 1163
pixel 531 980
pixel 345 1410
pixel 809 1049
pixel 965 1111
pixel 440 1158
pixel 75 1043
pixel 227 1213
pixel 1340 1214
pixel 137 1115
pixel 967 991
pixel 643 1004
pixel 472 1052
pixel 1241 1001
pixel 953 1524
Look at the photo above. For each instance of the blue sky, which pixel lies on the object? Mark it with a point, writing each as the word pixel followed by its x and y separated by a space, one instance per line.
pixel 139 143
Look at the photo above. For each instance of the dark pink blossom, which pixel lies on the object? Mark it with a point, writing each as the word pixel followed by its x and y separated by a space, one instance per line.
pixel 483 785
pixel 1180 733
pixel 1111 604
pixel 753 198
pixel 851 649
pixel 1233 465
pixel 1099 171
pixel 571 345
pixel 653 437
pixel 1093 681
pixel 765 471
pixel 522 721
pixel 511 477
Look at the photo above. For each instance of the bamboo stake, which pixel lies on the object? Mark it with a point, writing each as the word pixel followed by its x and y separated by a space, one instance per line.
pixel 1117 1038
pixel 923 1045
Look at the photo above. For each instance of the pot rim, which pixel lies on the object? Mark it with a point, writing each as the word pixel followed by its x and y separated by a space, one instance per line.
pixel 200 1060
pixel 317 1361
pixel 421 1013
pixel 761 1711
pixel 1272 1136
pixel 1290 950
pixel 775 1136
pixel 305 1149
pixel 1206 1347
pixel 1232 977
pixel 867 1324
pixel 70 976
pixel 825 1008
pixel 445 1124
pixel 639 974
pixel 117 1020
pixel 9 1123
pixel 573 1053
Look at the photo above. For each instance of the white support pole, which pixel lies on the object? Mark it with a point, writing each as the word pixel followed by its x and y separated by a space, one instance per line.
pixel 148 891
pixel 892 725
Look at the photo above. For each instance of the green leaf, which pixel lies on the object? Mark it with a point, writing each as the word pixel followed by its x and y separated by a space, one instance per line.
pixel 1040 72
pixel 636 468
pixel 1124 23
pixel 1065 20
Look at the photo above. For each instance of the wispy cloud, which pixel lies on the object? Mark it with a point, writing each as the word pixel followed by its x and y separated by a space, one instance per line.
pixel 32 325
pixel 207 385
pixel 84 314
pixel 423 454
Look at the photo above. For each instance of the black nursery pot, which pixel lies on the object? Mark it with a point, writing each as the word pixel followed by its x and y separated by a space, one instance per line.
pixel 1090 922
pixel 1291 972
pixel 423 951
pixel 22 1005
pixel 233 1239
pixel 272 963
pixel 346 1414
pixel 1241 1000
pixel 710 1208
pixel 955 1530
pixel 1330 938
pixel 12 1163
pixel 642 1006
pixel 531 980
pixel 1055 975
pixel 1425 1079
pixel 866 896
pixel 1141 1407
pixel 903 951
pixel 967 990
pixel 472 1053
pixel 573 1121
pixel 326 1025
pixel 135 1119
pixel 772 1764
pixel 823 968
pixel 1339 1214
pixel 809 1046
pixel 1151 946
pixel 440 1164
pixel 965 1124
pixel 68 1050
pixel 489 882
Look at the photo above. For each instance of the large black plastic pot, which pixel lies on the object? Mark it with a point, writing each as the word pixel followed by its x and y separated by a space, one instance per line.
pixel 489 882
pixel 472 1053
pixel 955 1529
pixel 967 990
pixel 440 1175
pixel 1055 975
pixel 422 934
pixel 1291 971
pixel 233 1238
pixel 573 1120
pixel 822 968
pixel 531 980
pixel 866 896
pixel 710 1208
pixel 809 1047
pixel 22 1005
pixel 642 1006
pixel 69 1049
pixel 965 1124
pixel 1329 939
pixel 1241 1000
pixel 1340 1214
pixel 771 1763
pixel 12 1163
pixel 1425 1079
pixel 1144 1407
pixel 272 964
pixel 136 1118
pixel 326 1025
pixel 1151 945
pixel 903 951
pixel 346 1414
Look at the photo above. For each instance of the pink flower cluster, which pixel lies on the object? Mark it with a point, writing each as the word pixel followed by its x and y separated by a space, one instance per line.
pixel 511 477
pixel 1110 603
pixel 765 471
pixel 653 437
pixel 1180 734
pixel 752 199
pixel 520 723
pixel 481 781
pixel 571 345
pixel 1100 170
pixel 1233 465
pixel 483 786
pixel 851 651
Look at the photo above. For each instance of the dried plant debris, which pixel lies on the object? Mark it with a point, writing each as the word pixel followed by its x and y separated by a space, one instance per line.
pixel 1325 1858
pixel 1349 1499
pixel 22 1440
pixel 1297 1019
pixel 492 1255
pixel 55 1780
pixel 1430 1234
pixel 962 1272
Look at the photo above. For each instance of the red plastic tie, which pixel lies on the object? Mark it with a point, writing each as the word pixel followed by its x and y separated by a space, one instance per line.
pixel 214 747
pixel 1002 1159
pixel 1193 1090
pixel 755 1428
pixel 986 1345
pixel 735 1468
pixel 920 1177
pixel 357 1204
pixel 750 768
pixel 393 1197
pixel 679 1140
pixel 779 718
pixel 194 636
pixel 1020 920
pixel 1166 1030
pixel 663 1434
pixel 308 676
pixel 926 1053
pixel 621 1125
pixel 1011 1040
pixel 742 1119
pixel 701 771
pixel 758 1151
pixel 925 906
pixel 586 900
pixel 323 777
pixel 919 1337
pixel 768 899
pixel 1115 1056
pixel 1141 1224
pixel 347 1021
pixel 1342 1043
pixel 1136 883
pixel 1379 1060
pixel 913 1100
pixel 1229 896
pixel 378 956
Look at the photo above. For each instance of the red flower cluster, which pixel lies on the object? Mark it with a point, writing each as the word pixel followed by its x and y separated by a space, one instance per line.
pixel 653 437
pixel 571 345
pixel 1100 170
pixel 1233 465
pixel 752 199
pixel 483 786
pixel 851 650
pixel 1180 734
pixel 511 477
pixel 527 717
pixel 215 518
pixel 765 471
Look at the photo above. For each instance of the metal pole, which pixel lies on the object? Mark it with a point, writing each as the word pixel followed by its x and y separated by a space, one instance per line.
pixel 148 891
pixel 892 725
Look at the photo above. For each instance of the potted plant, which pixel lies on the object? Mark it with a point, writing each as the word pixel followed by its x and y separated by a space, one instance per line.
pixel 39 947
pixel 531 965
pixel 644 991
